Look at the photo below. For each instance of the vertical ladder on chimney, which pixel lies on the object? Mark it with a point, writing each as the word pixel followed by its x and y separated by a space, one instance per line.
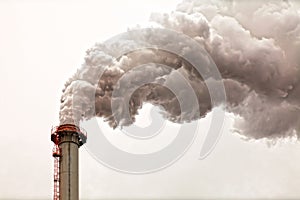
pixel 56 155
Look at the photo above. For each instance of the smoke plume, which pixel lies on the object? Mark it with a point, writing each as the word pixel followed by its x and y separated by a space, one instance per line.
pixel 253 44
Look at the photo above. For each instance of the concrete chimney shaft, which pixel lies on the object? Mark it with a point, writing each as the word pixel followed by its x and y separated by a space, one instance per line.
pixel 70 139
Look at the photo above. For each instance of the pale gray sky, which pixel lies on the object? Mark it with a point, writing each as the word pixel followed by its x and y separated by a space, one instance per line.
pixel 42 43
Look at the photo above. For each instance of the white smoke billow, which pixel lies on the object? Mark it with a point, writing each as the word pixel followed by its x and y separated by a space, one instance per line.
pixel 255 46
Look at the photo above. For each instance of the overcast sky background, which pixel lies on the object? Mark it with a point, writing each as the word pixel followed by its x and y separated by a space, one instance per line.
pixel 42 43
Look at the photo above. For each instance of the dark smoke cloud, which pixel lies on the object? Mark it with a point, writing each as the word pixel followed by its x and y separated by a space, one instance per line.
pixel 255 46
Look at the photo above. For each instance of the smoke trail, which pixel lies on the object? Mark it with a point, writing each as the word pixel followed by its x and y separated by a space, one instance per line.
pixel 254 46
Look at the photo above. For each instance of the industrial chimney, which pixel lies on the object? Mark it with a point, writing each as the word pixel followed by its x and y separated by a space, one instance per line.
pixel 67 139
